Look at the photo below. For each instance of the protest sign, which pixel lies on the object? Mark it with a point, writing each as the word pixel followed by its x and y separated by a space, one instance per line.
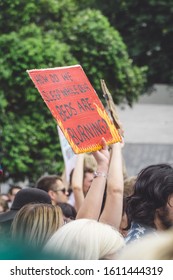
pixel 68 154
pixel 76 107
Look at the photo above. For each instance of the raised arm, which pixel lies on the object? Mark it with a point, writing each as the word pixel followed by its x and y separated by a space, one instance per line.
pixel 112 212
pixel 77 181
pixel 91 205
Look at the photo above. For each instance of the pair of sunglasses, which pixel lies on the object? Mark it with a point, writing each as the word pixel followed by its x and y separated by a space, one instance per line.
pixel 62 190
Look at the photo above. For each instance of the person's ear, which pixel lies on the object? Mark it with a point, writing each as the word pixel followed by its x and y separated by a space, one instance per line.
pixel 51 194
pixel 170 200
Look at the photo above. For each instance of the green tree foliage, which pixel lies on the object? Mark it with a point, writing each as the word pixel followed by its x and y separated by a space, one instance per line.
pixel 146 28
pixel 45 34
pixel 100 50
pixel 29 140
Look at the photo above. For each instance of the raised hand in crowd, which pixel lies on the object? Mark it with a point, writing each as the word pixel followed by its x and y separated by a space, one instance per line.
pixel 112 212
pixel 77 181
pixel 92 203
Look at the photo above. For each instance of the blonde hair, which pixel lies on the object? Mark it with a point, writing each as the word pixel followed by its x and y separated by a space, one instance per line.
pixel 34 224
pixel 85 239
pixel 151 247
pixel 129 183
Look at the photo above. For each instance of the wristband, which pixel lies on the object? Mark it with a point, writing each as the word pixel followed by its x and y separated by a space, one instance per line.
pixel 100 174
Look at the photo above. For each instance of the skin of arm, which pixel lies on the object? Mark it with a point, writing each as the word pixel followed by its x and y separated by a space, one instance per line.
pixel 91 205
pixel 112 212
pixel 77 181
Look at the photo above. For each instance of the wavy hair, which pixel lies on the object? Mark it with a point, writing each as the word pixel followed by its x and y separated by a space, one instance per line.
pixel 154 184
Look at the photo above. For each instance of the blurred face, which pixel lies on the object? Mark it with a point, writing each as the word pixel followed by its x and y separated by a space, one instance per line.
pixel 5 197
pixel 59 194
pixel 14 192
pixel 87 182
pixel 165 215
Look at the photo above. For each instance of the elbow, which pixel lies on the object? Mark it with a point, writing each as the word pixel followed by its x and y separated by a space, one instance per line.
pixel 115 191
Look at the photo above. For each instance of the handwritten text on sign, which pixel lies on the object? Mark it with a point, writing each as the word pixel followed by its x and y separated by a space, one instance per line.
pixel 76 107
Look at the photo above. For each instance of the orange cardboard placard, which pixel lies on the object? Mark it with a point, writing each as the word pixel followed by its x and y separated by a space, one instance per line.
pixel 76 107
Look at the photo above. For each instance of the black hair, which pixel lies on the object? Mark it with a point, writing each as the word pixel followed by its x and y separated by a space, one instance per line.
pixel 68 210
pixel 154 184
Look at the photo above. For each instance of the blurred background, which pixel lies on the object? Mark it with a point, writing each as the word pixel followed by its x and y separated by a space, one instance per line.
pixel 127 43
pixel 148 130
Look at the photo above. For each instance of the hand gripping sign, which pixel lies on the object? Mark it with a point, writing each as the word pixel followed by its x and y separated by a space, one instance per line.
pixel 76 107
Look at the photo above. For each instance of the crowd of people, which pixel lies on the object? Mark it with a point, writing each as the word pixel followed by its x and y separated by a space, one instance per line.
pixel 101 214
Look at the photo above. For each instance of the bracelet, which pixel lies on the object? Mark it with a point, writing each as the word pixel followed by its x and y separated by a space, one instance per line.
pixel 102 174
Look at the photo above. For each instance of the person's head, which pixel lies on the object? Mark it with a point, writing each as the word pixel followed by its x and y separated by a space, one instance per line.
pixel 69 212
pixel 34 224
pixel 129 183
pixel 85 239
pixel 54 186
pixel 3 205
pixel 23 197
pixel 13 191
pixel 5 197
pixel 87 180
pixel 152 201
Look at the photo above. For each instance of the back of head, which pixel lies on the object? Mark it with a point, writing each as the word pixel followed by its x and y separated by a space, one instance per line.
pixel 153 186
pixel 23 197
pixel 85 239
pixel 68 210
pixel 35 223
pixel 29 195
